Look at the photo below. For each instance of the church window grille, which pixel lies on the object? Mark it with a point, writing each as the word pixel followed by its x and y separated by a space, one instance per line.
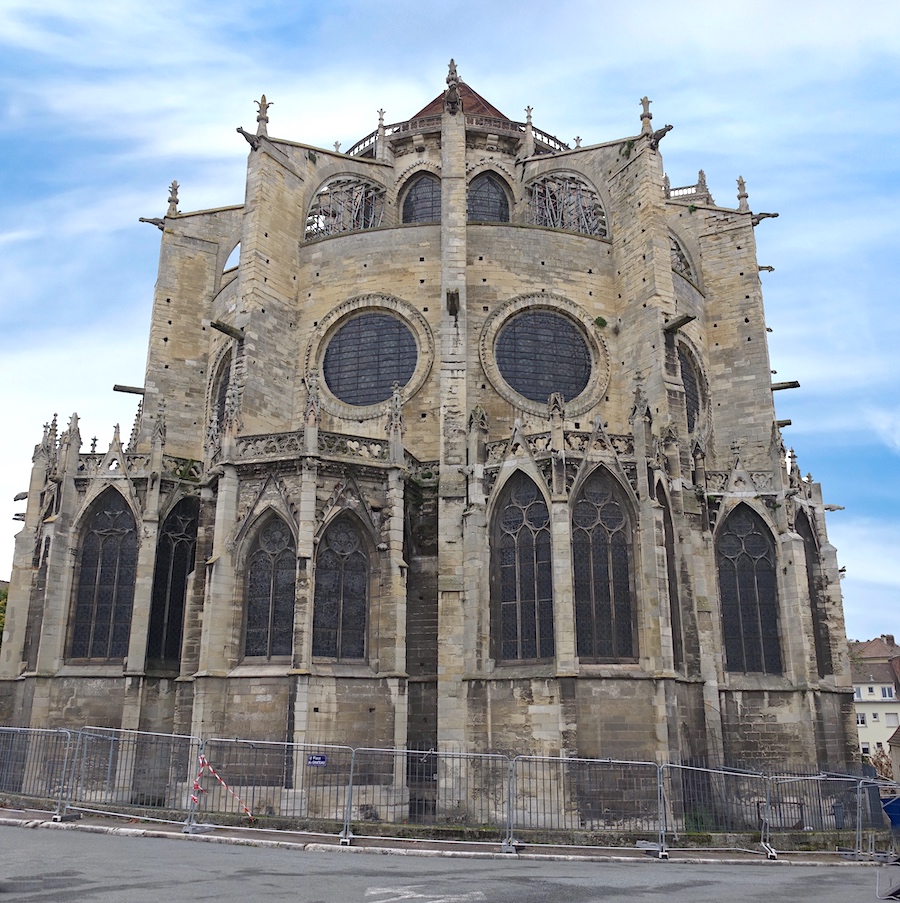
pixel 422 203
pixel 271 578
pixel 522 570
pixel 821 638
pixel 745 556
pixel 567 202
pixel 680 262
pixel 104 595
pixel 341 595
pixel 345 205
pixel 539 352
pixel 602 564
pixel 174 562
pixel 366 356
pixel 691 388
pixel 487 201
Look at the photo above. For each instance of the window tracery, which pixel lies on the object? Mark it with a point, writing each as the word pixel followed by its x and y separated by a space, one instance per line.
pixel 565 201
pixel 271 578
pixel 680 262
pixel 104 595
pixel 745 557
pixel 422 203
pixel 345 204
pixel 341 598
pixel 522 573
pixel 602 565
pixel 174 562
pixel 486 200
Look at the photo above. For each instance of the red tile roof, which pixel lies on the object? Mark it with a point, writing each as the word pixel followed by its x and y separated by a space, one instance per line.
pixel 472 103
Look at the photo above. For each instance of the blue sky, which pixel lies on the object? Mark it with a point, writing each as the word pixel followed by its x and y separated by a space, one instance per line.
pixel 104 103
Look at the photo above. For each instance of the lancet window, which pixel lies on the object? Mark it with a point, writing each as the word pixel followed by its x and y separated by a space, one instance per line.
pixel 821 637
pixel 745 556
pixel 487 201
pixel 342 593
pixel 680 262
pixel 345 204
pixel 422 203
pixel 602 565
pixel 671 578
pixel 271 578
pixel 174 562
pixel 104 593
pixel 220 390
pixel 691 382
pixel 522 573
pixel 565 201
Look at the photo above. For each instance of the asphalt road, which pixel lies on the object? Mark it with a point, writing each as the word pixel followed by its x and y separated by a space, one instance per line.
pixel 68 865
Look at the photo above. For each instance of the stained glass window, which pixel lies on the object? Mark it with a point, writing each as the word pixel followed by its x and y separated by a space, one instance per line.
pixel 691 388
pixel 174 562
pixel 602 564
pixel 522 570
pixel 345 205
pixel 422 203
pixel 342 594
pixel 104 595
pixel 366 356
pixel 821 636
pixel 487 201
pixel 271 577
pixel 540 352
pixel 565 201
pixel 745 555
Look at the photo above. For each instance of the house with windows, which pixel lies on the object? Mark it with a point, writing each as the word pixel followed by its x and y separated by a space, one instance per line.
pixel 462 438
pixel 873 666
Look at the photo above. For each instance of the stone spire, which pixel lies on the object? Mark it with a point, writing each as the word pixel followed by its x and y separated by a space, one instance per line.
pixel 451 95
pixel 646 116
pixel 262 118
pixel 173 199
pixel 743 205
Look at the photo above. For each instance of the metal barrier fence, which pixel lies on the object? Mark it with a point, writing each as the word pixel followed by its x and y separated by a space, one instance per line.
pixel 509 800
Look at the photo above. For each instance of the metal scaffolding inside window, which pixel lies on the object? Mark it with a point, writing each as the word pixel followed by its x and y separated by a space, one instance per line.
pixel 487 201
pixel 566 202
pixel 345 205
pixel 745 555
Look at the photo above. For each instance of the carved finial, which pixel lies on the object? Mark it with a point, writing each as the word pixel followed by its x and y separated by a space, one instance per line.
pixel 262 118
pixel 646 116
pixel 337 147
pixel 478 419
pixel 173 199
pixel 159 427
pixel 528 111
pixel 117 436
pixel 577 141
pixel 394 423
pixel 667 186
pixel 93 445
pixel 380 118
pixel 743 206
pixel 701 182
pixel 736 448
pixel 451 95
pixel 135 429
pixel 556 406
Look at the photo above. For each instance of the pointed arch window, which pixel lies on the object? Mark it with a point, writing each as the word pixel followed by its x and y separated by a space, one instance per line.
pixel 345 204
pixel 422 203
pixel 174 562
pixel 487 201
pixel 602 564
pixel 672 578
pixel 271 579
pixel 104 594
pixel 745 557
pixel 341 600
pixel 522 573
pixel 821 635
pixel 220 389
pixel 691 382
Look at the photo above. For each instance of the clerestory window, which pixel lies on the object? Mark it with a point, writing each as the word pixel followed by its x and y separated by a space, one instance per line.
pixel 422 203
pixel 565 201
pixel 345 204
pixel 487 201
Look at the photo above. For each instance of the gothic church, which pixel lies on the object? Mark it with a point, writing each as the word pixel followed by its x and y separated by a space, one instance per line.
pixel 473 447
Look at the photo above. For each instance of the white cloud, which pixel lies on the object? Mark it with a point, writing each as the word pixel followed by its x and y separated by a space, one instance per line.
pixel 887 425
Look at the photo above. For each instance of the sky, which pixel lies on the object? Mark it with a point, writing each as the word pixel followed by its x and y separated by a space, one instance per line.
pixel 103 104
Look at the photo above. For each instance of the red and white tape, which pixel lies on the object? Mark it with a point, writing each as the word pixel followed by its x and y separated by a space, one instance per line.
pixel 197 789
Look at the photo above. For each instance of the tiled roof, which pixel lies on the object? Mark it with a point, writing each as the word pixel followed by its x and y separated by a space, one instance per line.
pixel 472 103
pixel 882 647
pixel 871 673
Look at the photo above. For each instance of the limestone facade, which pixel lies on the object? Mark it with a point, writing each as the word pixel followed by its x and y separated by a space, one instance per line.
pixel 475 447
